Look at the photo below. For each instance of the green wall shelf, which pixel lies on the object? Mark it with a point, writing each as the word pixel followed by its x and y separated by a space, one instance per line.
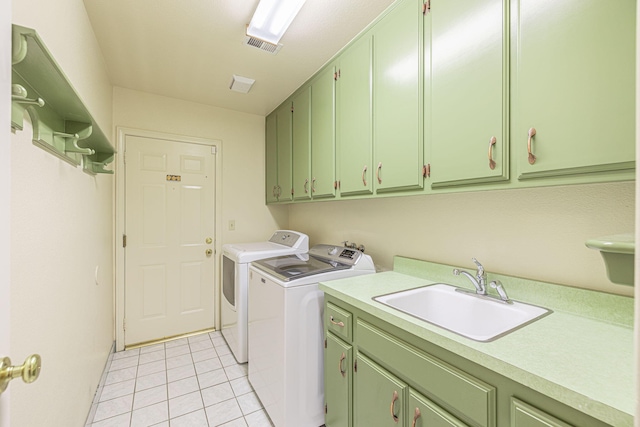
pixel 618 254
pixel 62 124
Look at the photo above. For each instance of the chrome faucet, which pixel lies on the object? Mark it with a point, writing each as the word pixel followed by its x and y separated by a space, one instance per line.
pixel 479 281
pixel 497 285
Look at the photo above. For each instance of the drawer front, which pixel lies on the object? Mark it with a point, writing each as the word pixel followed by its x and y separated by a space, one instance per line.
pixel 525 415
pixel 425 413
pixel 339 322
pixel 467 397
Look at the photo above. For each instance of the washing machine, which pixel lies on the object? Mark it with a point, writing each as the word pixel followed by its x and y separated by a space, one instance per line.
pixel 286 331
pixel 235 275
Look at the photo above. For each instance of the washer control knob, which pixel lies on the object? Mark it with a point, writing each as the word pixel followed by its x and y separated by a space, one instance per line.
pixel 333 251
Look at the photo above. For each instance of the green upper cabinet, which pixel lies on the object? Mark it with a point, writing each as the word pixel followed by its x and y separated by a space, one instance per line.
pixel 397 98
pixel 301 145
pixel 278 136
pixel 271 157
pixel 469 92
pixel 323 157
pixel 574 80
pixel 354 154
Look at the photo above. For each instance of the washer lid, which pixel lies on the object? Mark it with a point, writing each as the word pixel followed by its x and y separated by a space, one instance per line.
pixel 297 266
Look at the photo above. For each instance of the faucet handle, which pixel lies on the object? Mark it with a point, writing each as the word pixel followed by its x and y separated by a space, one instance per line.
pixel 480 267
pixel 497 285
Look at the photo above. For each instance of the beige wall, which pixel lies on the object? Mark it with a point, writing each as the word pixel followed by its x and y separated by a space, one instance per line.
pixel 243 162
pixel 61 230
pixel 533 233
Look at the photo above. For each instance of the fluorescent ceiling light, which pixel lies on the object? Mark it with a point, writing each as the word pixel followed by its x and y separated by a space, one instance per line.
pixel 241 84
pixel 272 18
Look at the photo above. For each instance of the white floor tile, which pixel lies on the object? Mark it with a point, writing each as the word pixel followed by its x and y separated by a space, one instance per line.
pixel 183 386
pixel 150 397
pixel 113 407
pixel 215 334
pixel 151 368
pixel 240 422
pixel 208 365
pixel 223 412
pixel 249 403
pixel 149 381
pixel 201 337
pixel 193 419
pixel 117 390
pixel 199 356
pixel 219 341
pixel 222 350
pixel 180 373
pixel 236 371
pixel 123 420
pixel 209 379
pixel 201 345
pixel 228 360
pixel 177 361
pixel 152 348
pixel 162 424
pixel 123 354
pixel 258 419
pixel 216 394
pixel 150 415
pixel 125 362
pixel 178 350
pixel 153 356
pixel 177 343
pixel 121 375
pixel 241 386
pixel 184 404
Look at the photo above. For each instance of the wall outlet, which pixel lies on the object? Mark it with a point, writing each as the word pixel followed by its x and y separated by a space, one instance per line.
pixel 232 225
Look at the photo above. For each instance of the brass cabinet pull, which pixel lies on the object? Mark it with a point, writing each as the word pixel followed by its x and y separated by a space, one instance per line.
pixel 416 415
pixel 364 178
pixel 306 186
pixel 29 371
pixel 532 157
pixel 492 163
pixel 341 324
pixel 313 185
pixel 343 372
pixel 378 173
pixel 392 407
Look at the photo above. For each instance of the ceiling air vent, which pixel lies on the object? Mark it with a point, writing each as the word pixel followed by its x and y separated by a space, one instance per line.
pixel 262 45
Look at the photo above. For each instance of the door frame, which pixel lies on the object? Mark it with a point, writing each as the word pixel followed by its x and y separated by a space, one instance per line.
pixel 119 221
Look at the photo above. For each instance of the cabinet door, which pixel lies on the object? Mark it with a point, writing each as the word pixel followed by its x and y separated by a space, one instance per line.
pixel 575 79
pixel 354 119
pixel 425 413
pixel 338 360
pixel 284 136
pixel 323 144
pixel 524 415
pixel 301 145
pixel 469 105
pixel 397 91
pixel 271 155
pixel 379 396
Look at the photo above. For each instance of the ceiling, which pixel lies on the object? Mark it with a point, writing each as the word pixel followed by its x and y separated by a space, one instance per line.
pixel 189 49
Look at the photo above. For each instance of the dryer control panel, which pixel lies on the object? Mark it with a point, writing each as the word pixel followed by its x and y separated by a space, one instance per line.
pixel 287 238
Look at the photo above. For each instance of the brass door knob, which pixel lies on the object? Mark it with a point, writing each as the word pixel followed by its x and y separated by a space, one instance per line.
pixel 29 370
pixel 208 252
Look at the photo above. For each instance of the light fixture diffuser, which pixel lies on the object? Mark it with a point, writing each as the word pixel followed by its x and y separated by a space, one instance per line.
pixel 272 18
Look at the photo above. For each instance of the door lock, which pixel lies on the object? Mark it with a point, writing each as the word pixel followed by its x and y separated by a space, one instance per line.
pixel 209 240
pixel 29 370
pixel 208 252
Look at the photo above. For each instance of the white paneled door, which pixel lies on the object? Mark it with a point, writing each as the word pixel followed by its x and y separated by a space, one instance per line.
pixel 169 226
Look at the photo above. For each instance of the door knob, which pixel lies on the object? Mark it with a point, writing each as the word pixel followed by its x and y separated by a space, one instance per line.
pixel 29 370
pixel 208 252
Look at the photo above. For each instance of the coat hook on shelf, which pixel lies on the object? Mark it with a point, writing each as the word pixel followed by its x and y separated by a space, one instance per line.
pixel 71 143
pixel 95 167
pixel 19 95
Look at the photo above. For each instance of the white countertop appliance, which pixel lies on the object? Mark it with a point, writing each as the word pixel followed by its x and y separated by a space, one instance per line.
pixel 285 330
pixel 235 269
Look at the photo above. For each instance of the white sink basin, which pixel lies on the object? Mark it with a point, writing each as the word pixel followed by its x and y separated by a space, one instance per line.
pixel 478 318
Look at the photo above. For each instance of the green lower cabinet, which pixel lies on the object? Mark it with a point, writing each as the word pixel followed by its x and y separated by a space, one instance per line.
pixel 425 413
pixel 379 396
pixel 524 415
pixel 338 363
pixel 574 78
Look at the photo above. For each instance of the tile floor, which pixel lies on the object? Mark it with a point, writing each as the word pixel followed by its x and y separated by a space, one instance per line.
pixel 189 382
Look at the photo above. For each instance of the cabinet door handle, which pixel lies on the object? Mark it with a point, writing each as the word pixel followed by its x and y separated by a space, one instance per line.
pixel 306 186
pixel 492 163
pixel 274 191
pixel 313 185
pixel 416 415
pixel 341 324
pixel 343 372
pixel 392 407
pixel 378 173
pixel 532 157
pixel 364 178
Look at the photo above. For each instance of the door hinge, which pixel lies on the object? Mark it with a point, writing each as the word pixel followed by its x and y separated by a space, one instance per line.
pixel 124 324
pixel 214 149
pixel 335 75
pixel 426 170
pixel 292 108
pixel 292 191
pixel 124 240
pixel 426 7
pixel 355 366
pixel 325 408
pixel 325 343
